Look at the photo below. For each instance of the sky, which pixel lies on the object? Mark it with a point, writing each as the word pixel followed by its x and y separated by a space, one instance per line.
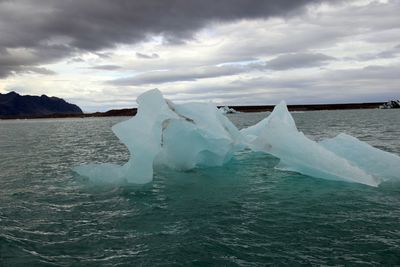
pixel 102 54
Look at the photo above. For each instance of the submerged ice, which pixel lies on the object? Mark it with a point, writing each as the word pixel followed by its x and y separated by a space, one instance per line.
pixel 185 136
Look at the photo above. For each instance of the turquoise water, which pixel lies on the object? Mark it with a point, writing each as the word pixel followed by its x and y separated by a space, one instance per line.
pixel 243 214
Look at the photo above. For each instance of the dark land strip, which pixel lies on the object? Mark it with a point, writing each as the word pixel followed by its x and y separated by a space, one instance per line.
pixel 261 108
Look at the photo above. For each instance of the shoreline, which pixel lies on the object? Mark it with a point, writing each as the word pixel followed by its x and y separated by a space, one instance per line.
pixel 260 108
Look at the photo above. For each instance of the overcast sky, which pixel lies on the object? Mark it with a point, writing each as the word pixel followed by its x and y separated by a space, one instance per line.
pixel 103 54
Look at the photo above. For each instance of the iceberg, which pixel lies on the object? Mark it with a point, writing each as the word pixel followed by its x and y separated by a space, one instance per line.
pixel 186 136
pixel 163 133
pixel 278 135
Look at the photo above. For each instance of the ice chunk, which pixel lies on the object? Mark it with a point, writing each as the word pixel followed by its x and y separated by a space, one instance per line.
pixel 381 164
pixel 227 110
pixel 179 136
pixel 278 135
pixel 141 134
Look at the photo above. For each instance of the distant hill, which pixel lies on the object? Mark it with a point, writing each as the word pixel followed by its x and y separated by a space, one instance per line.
pixel 14 104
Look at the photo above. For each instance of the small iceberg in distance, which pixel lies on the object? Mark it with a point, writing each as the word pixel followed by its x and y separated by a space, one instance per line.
pixel 186 136
pixel 227 110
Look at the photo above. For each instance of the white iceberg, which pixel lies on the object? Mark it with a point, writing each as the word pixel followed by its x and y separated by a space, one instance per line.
pixel 277 135
pixel 178 136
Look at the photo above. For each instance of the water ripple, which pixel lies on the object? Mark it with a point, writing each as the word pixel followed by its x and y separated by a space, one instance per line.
pixel 246 213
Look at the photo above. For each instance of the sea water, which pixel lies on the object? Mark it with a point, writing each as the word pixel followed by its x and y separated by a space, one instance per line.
pixel 246 213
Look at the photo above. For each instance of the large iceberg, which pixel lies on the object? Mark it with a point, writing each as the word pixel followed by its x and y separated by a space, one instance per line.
pixel 163 133
pixel 185 136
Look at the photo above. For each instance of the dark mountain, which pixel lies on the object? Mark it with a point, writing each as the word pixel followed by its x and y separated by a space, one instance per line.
pixel 13 104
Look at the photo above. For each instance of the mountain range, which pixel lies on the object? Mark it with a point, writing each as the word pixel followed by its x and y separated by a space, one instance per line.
pixel 14 104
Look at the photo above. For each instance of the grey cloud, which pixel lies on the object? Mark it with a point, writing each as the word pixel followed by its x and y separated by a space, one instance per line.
pixel 76 60
pixel 13 62
pixel 106 67
pixel 375 22
pixel 390 52
pixel 6 71
pixel 158 77
pixel 145 56
pixel 373 83
pixel 379 73
pixel 39 70
pixel 362 79
pixel 25 69
pixel 283 62
pixel 298 60
pixel 104 55
pixel 67 27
